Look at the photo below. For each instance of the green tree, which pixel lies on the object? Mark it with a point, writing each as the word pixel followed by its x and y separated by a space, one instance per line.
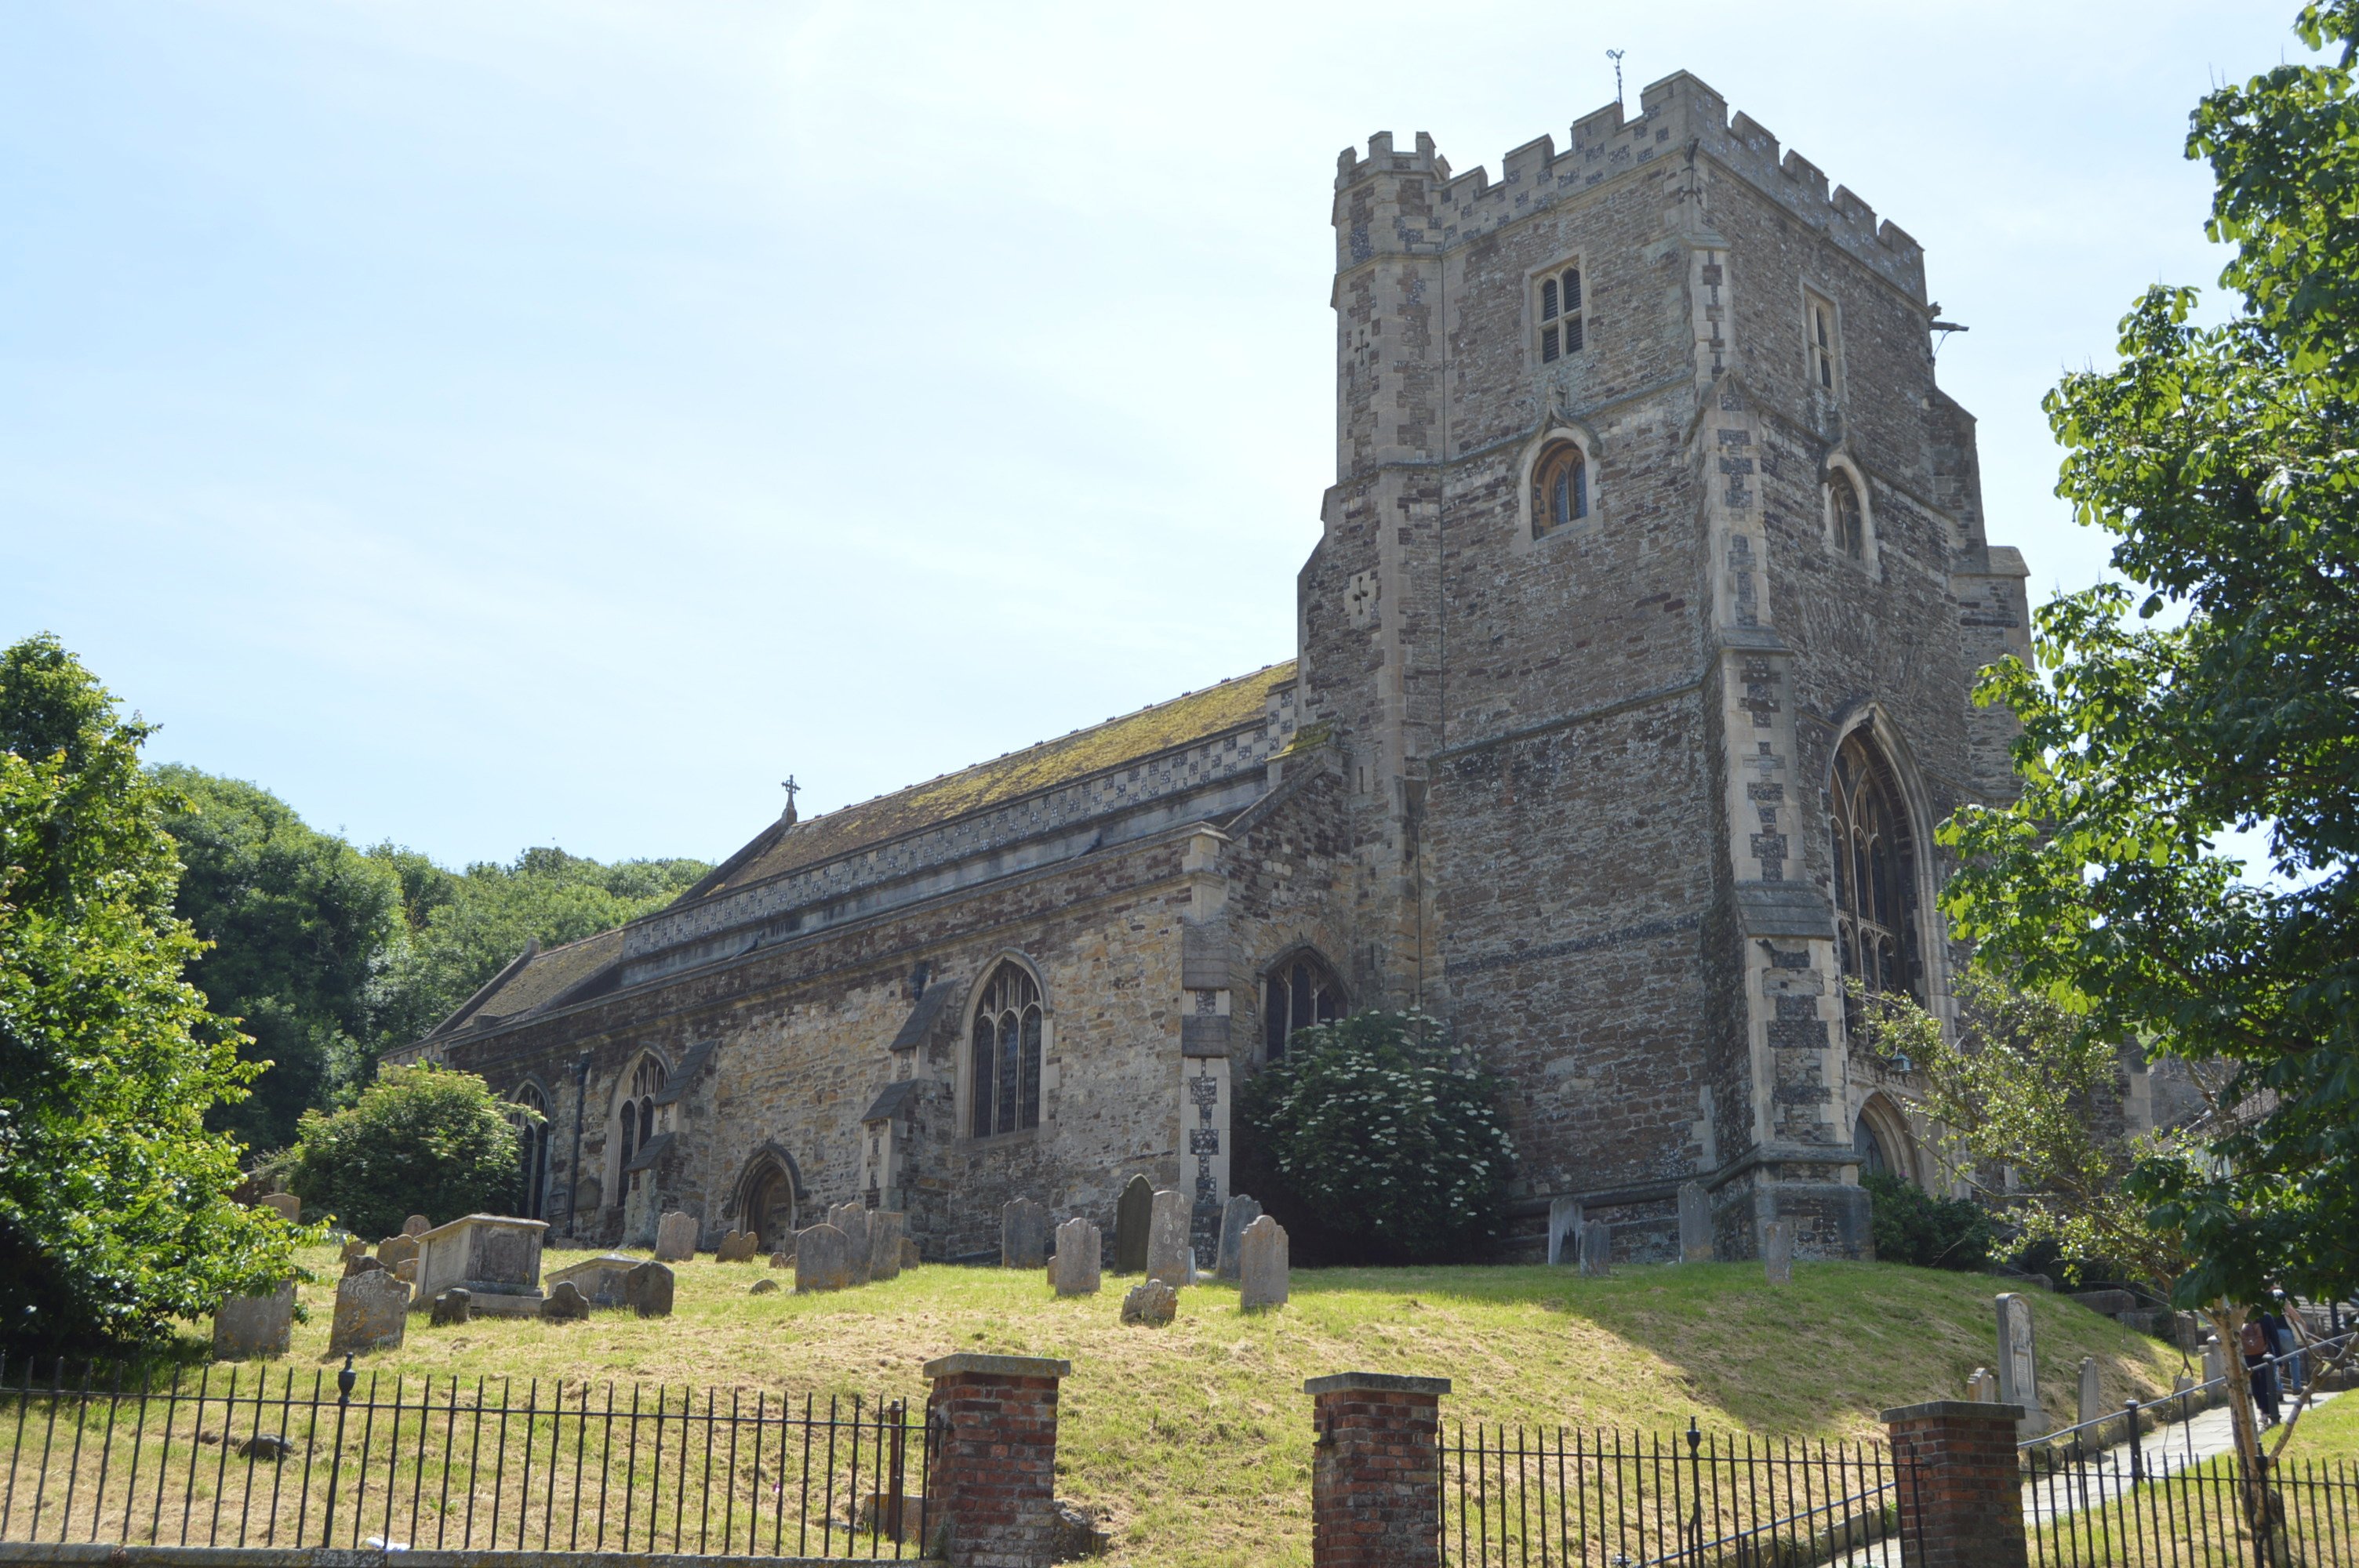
pixel 115 1210
pixel 299 923
pixel 419 1140
pixel 1373 1141
pixel 2213 689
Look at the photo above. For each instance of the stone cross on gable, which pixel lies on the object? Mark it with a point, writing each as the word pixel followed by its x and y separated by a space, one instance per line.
pixel 792 790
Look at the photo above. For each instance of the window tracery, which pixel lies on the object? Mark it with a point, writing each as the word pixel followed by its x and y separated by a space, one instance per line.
pixel 1003 1069
pixel 1876 873
pixel 1298 993
pixel 637 1116
pixel 1559 488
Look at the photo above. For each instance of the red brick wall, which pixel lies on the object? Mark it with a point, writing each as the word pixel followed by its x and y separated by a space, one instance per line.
pixel 1961 1491
pixel 1375 1492
pixel 991 1479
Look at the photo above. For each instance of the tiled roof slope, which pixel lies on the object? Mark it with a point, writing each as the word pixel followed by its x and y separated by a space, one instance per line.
pixel 1178 722
pixel 544 980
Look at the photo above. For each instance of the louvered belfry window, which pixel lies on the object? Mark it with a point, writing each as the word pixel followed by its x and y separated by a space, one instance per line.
pixel 1876 872
pixel 1560 314
pixel 1004 1072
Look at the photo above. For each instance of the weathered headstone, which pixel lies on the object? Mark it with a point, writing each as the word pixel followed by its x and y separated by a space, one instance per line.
pixel 675 1237
pixel 1596 1249
pixel 453 1306
pixel 1152 1303
pixel 1695 1224
pixel 407 1270
pixel 727 1250
pixel 1261 1265
pixel 910 1256
pixel 372 1313
pixel 1168 1258
pixel 884 1228
pixel 1235 1215
pixel 1023 1235
pixel 353 1247
pixel 1982 1387
pixel 851 1218
pixel 248 1326
pixel 598 1277
pixel 823 1259
pixel 647 1289
pixel 2215 1365
pixel 395 1250
pixel 495 1257
pixel 1563 1231
pixel 762 1287
pixel 2092 1397
pixel 1074 1269
pixel 1777 1252
pixel 782 1259
pixel 360 1263
pixel 288 1207
pixel 2018 1365
pixel 565 1302
pixel 1134 1217
pixel 417 1225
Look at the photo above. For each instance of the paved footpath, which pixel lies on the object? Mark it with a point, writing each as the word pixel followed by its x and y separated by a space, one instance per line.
pixel 2106 1476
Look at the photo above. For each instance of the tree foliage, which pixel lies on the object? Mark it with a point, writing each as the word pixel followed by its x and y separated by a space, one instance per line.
pixel 419 1140
pixel 1375 1143
pixel 2213 689
pixel 115 1210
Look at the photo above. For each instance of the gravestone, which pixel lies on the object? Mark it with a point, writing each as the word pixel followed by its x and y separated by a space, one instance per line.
pixel 360 1263
pixel 395 1249
pixel 496 1257
pixel 782 1259
pixel 823 1259
pixel 1169 1257
pixel 2215 1365
pixel 675 1237
pixel 248 1326
pixel 1261 1265
pixel 1023 1235
pixel 1238 1212
pixel 2092 1397
pixel 453 1306
pixel 762 1287
pixel 731 1244
pixel 372 1311
pixel 1596 1249
pixel 1982 1387
pixel 1563 1231
pixel 851 1218
pixel 407 1270
pixel 1695 1224
pixel 884 1233
pixel 1151 1305
pixel 2018 1365
pixel 1074 1269
pixel 353 1247
pixel 647 1289
pixel 565 1302
pixel 1133 1218
pixel 287 1206
pixel 417 1225
pixel 910 1256
pixel 599 1279
pixel 1777 1252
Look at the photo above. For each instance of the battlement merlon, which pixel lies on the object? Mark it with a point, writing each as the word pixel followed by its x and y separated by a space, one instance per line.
pixel 1675 113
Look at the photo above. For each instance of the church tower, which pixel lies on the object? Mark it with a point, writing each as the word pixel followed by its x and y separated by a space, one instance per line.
pixel 1651 593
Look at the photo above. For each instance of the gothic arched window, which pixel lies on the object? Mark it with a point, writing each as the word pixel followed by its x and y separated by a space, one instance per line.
pixel 1298 993
pixel 1873 1159
pixel 637 1116
pixel 1004 1072
pixel 1559 488
pixel 1875 870
pixel 532 1149
pixel 1845 515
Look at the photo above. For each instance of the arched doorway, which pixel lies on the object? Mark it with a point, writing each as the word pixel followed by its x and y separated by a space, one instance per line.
pixel 770 1207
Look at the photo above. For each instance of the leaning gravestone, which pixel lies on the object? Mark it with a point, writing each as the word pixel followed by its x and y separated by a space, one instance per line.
pixel 1023 1235
pixel 565 1302
pixel 1563 1231
pixel 1134 1217
pixel 454 1306
pixel 395 1251
pixel 1168 1256
pixel 1261 1265
pixel 1777 1252
pixel 2018 1365
pixel 647 1289
pixel 598 1277
pixel 372 1313
pixel 675 1237
pixel 1596 1250
pixel 417 1225
pixel 1153 1303
pixel 851 1218
pixel 884 1228
pixel 2092 1397
pixel 1074 1269
pixel 248 1326
pixel 288 1207
pixel 823 1259
pixel 1235 1215
pixel 1695 1224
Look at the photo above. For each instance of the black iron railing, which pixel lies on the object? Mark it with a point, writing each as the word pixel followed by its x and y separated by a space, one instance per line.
pixel 1549 1496
pixel 2197 1517
pixel 246 1456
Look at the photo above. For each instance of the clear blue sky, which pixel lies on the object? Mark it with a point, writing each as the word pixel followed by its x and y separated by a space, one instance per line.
pixel 493 424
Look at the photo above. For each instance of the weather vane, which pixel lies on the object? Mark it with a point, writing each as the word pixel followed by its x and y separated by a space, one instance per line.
pixel 1616 56
pixel 791 788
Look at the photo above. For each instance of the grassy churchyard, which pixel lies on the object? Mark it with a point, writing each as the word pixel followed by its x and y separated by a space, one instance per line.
pixel 1193 1442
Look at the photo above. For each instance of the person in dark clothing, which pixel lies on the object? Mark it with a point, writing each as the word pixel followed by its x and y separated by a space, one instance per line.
pixel 2255 1346
pixel 2283 1346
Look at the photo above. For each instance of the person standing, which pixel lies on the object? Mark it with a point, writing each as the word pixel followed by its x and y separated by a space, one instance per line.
pixel 2254 1344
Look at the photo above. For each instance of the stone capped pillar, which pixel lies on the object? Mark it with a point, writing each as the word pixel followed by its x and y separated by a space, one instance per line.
pixel 1961 1490
pixel 992 1484
pixel 1375 1476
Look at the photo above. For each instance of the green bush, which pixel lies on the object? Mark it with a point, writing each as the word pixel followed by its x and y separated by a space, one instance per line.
pixel 1912 1226
pixel 1372 1142
pixel 418 1141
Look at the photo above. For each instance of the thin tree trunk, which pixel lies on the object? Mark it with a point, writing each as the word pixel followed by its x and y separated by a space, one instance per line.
pixel 2263 1515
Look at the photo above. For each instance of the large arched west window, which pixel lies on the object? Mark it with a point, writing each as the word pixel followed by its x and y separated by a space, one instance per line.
pixel 635 1118
pixel 532 1149
pixel 1876 872
pixel 1298 992
pixel 1004 1070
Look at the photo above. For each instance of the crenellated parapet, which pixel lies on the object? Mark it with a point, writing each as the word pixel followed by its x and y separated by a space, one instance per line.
pixel 1677 113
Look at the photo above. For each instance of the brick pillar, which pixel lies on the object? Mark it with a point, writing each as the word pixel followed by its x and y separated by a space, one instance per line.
pixel 1961 1490
pixel 1375 1476
pixel 992 1475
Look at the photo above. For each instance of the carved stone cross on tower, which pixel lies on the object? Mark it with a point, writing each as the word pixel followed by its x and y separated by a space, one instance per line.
pixel 792 789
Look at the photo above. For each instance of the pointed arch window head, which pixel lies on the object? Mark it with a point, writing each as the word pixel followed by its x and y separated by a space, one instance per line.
pixel 1876 872
pixel 1846 517
pixel 532 1149
pixel 1560 314
pixel 638 1114
pixel 1559 488
pixel 1299 992
pixel 1003 1069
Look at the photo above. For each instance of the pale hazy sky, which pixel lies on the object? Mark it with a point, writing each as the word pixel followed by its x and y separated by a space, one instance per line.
pixel 496 424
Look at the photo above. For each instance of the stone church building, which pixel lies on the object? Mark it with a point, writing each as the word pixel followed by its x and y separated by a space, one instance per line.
pixel 1632 678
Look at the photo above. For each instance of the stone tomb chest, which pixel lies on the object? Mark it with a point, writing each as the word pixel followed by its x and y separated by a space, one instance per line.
pixel 494 1259
pixel 599 1279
